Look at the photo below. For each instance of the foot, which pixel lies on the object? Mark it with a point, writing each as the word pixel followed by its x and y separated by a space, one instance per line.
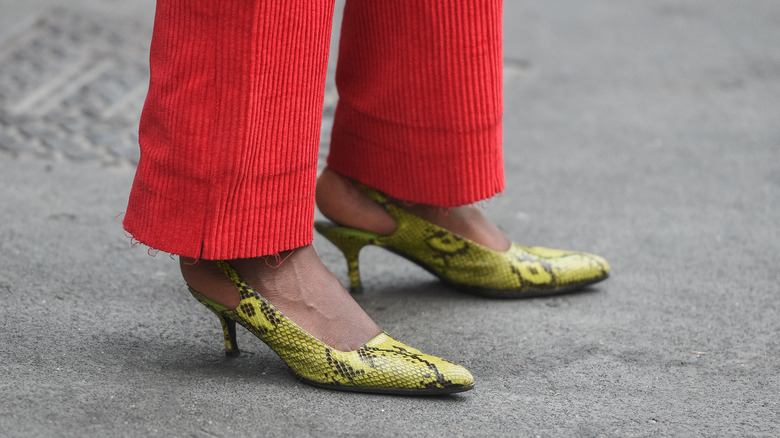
pixel 340 200
pixel 296 283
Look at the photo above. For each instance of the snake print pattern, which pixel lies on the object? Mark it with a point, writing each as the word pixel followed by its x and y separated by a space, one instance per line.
pixel 520 271
pixel 383 364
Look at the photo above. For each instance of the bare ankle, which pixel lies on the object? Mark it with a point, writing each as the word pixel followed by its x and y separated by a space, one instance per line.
pixel 340 201
pixel 206 277
pixel 296 283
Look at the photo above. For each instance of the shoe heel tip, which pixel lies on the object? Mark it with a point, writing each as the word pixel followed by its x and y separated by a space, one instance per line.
pixel 356 289
pixel 231 354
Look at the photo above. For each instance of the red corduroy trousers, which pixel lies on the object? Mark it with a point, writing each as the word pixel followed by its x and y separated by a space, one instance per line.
pixel 230 129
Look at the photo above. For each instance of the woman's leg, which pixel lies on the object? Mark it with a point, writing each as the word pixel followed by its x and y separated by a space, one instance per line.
pixel 419 118
pixel 419 114
pixel 229 136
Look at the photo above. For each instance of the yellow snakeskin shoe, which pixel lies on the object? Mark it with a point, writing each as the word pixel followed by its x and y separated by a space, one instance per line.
pixel 518 272
pixel 382 365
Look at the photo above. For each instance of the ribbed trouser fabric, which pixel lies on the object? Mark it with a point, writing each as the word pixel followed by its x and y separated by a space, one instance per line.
pixel 230 129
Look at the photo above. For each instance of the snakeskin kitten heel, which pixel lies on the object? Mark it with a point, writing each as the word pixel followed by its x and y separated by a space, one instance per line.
pixel 518 272
pixel 382 365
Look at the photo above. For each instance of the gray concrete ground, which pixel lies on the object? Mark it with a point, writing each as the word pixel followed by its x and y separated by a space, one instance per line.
pixel 646 132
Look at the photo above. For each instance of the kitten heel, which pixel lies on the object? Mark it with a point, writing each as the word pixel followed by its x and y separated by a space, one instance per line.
pixel 350 242
pixel 228 324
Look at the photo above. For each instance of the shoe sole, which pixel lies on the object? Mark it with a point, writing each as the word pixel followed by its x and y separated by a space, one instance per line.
pixel 499 293
pixel 391 391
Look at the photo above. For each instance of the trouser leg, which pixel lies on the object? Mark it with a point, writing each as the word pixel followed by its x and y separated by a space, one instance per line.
pixel 231 126
pixel 420 99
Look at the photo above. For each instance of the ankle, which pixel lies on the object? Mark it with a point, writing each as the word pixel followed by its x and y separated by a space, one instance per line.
pixel 339 200
pixel 298 285
pixel 206 277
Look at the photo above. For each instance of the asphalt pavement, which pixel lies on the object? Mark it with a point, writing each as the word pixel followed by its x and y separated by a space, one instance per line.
pixel 646 132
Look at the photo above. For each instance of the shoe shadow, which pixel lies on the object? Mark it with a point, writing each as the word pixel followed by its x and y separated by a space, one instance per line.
pixel 195 363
